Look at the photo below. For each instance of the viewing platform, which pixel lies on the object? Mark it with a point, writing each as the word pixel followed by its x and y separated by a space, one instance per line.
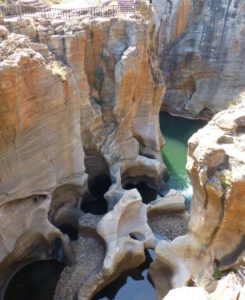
pixel 36 9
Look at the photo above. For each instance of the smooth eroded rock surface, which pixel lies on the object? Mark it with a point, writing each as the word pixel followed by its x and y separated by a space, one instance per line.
pixel 215 240
pixel 79 108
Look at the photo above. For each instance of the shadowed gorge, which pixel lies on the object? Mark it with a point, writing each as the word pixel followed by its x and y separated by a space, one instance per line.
pixel 35 281
pixel 69 230
pixel 177 132
pixel 95 203
pixel 147 193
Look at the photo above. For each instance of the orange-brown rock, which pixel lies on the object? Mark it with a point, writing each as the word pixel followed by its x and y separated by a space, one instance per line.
pixel 86 99
pixel 216 163
pixel 202 54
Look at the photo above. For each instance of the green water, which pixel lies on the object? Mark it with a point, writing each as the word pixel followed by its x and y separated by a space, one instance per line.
pixel 176 132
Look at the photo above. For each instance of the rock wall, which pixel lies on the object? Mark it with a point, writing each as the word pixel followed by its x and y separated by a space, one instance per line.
pixel 202 54
pixel 80 101
pixel 215 241
pixel 77 100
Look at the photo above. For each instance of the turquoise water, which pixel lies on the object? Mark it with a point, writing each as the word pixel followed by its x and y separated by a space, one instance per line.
pixel 176 132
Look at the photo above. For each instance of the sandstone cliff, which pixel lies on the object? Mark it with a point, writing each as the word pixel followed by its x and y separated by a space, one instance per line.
pixel 202 54
pixel 215 241
pixel 79 110
pixel 78 101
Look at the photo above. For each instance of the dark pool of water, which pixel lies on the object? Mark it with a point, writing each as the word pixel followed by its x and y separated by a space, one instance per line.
pixel 69 230
pixel 176 132
pixel 131 285
pixel 148 194
pixel 36 281
pixel 95 202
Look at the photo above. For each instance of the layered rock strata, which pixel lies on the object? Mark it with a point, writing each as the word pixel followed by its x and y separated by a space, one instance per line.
pixel 202 54
pixel 215 241
pixel 76 107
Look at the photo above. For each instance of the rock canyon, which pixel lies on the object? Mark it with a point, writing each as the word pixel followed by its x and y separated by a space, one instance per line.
pixel 82 179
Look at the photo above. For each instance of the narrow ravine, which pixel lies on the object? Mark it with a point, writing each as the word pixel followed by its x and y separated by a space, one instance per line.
pixel 176 132
pixel 135 284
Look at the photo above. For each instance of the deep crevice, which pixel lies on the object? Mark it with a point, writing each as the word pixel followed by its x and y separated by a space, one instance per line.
pixel 147 193
pixel 69 230
pixel 94 201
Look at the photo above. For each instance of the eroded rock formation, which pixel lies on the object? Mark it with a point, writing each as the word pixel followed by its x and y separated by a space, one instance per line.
pixel 126 235
pixel 79 110
pixel 216 230
pixel 77 107
pixel 202 54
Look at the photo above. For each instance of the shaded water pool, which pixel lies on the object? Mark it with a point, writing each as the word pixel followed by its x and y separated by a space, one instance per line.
pixel 36 281
pixel 133 284
pixel 176 132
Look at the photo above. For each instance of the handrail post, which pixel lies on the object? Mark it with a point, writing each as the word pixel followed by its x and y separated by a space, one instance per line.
pixel 19 11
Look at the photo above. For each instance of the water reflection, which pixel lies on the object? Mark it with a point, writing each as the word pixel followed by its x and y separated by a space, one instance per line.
pixel 133 284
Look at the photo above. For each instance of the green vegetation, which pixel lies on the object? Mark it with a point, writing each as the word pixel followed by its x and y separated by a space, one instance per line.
pixel 226 178
pixel 217 275
pixel 58 69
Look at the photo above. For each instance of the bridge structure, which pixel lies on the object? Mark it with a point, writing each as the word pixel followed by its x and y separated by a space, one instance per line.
pixel 31 10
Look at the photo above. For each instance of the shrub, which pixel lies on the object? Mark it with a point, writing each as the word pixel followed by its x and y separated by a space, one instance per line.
pixel 217 275
pixel 58 69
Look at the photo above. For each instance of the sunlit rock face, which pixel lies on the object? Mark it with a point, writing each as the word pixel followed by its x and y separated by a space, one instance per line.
pixel 125 234
pixel 216 164
pixel 116 68
pixel 202 46
pixel 79 109
pixel 87 98
pixel 37 109
pixel 40 149
pixel 217 167
pixel 229 287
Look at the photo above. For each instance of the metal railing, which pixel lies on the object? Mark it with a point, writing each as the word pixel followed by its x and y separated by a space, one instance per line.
pixel 23 11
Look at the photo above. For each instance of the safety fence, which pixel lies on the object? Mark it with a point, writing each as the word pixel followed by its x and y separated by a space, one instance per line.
pixel 23 11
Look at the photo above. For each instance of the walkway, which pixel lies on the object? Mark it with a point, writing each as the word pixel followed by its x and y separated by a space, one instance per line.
pixel 66 13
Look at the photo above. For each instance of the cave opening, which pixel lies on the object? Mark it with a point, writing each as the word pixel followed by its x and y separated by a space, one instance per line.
pixel 69 230
pixel 147 193
pixel 94 201
pixel 133 284
pixel 36 280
